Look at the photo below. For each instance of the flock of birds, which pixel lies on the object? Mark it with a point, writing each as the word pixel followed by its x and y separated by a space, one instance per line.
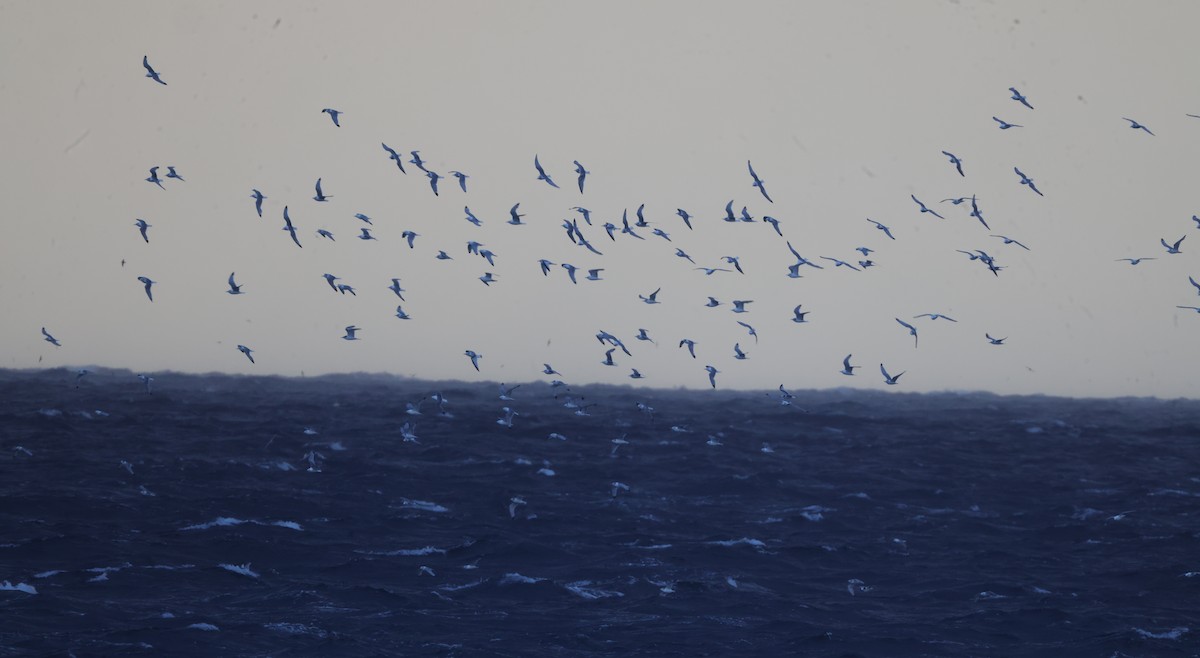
pixel 628 229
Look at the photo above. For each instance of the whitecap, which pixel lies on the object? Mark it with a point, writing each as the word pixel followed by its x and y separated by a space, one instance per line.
pixel 516 578
pixel 290 525
pixel 296 629
pixel 548 472
pixel 47 574
pixel 220 521
pixel 203 627
pixel 242 569
pixel 1173 634
pixel 423 505
pixel 735 542
pixel 581 588
pixel 455 588
pixel 6 586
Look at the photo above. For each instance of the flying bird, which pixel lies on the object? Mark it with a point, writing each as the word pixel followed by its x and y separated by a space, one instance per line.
pixel 401 314
pixel 1137 126
pixel 889 379
pixel 1004 125
pixel 417 161
pixel 687 219
pixel 1008 240
pixel 571 269
pixel 320 195
pixel 516 217
pixel 171 173
pixel 351 333
pixel 995 341
pixel 848 369
pixel 774 224
pixel 542 173
pixel 258 199
pixel 474 358
pixel 758 182
pixel 691 346
pixel 957 162
pixel 50 339
pixel 247 351
pixel 1194 284
pixel 147 282
pixel 150 72
pixel 333 114
pixel 462 179
pixel 1135 261
pixel 434 177
pixel 364 218
pixel 935 316
pixel 739 305
pixel 287 226
pixel 841 263
pixel 582 175
pixel 729 216
pixel 800 316
pixel 652 298
pixel 394 157
pixel 1017 96
pixel 712 375
pixel 1025 180
pixel 881 227
pixel 488 279
pixel 153 178
pixel 409 236
pixel 738 353
pixel 395 287
pixel 923 208
pixel 1172 248
pixel 733 260
pixel 234 289
pixel 978 214
pixel 911 329
pixel 749 330
pixel 471 216
pixel 142 226
pixel 366 234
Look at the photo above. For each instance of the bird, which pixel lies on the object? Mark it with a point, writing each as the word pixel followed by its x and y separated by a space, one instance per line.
pixel 545 265
pixel 548 370
pixel 662 234
pixel 329 278
pixel 848 369
pixel 1137 126
pixel 50 339
pixel 889 379
pixel 434 177
pixel 995 341
pixel 471 216
pixel 956 200
pixel 1194 284
pixel 247 351
pixel 150 72
pixel 652 298
pixel 709 271
pixel 733 260
pixel 977 214
pixel 366 234
pixel 488 279
pixel 344 288
pixel 489 256
pixel 608 357
pixel 351 333
pixel 1190 308
pixel 542 173
pixel 364 218
pixel 865 251
pixel 634 374
pixel 739 305
pixel 587 214
pixel 1004 125
pixel 935 316
pixel 1025 180
pixel 1008 240
pixel 758 182
pixel 474 357
pixel 234 289
pixel 287 226
pixel 774 224
pixel 171 173
pixel 712 302
pixel 409 236
pixel 683 254
pixel 147 380
pixel 746 215
pixel 1196 219
pixel 957 162
pixel 738 353
pixel 147 282
pixel 687 219
pixel 320 195
pixel 911 329
pixel 394 157
pixel 401 314
pixel 571 269
pixel 594 274
pixel 749 330
pixel 729 216
pixel 800 317
pixel 712 375
pixel 924 209
pixel 442 255
pixel 691 346
pixel 1135 261
pixel 1017 96
pixel 153 178
pixel 841 263
pixel 582 175
pixel 142 226
pixel 462 179
pixel 516 217
pixel 417 161
pixel 1172 248
pixel 641 221
pixel 881 227
pixel 333 114
pixel 258 199
pixel 325 234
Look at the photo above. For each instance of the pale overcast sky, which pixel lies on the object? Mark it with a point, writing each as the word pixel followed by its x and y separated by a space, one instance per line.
pixel 843 107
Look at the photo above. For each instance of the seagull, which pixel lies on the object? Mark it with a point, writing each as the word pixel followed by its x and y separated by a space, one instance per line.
pixel 258 199
pixel 587 214
pixel 154 177
pixel 364 218
pixel 462 179
pixel 142 226
pixel 641 222
pixel 1135 261
pixel 956 201
pixel 911 329
pixel 924 209
pixel 320 195
pixel 506 392
pixel 416 160
pixel 662 234
pixel 329 278
pixel 1195 284
pixel 733 260
pixel 995 341
pixel 150 72
pixel 957 162
pixel 608 357
pixel 50 339
pixel 687 219
pixel 738 353
pixel 935 316
pixel 750 330
pixel 401 314
pixel 683 254
pixel 1008 240
pixel 247 351
pixel 171 173
pixel 774 223
pixel 366 234
pixel 729 216
pixel 350 333
pixel 333 114
pixel 1172 249
pixel 545 264
pixel 712 372
pixel 287 226
pixel 866 263
pixel 594 274
pixel 344 288
pixel 746 215
pixel 148 283
pixel 516 217
pixel 691 346
pixel 709 271
pixel 1016 96
pixel 881 227
pixel 739 305
pixel 234 289
pixel 1025 180
pixel 410 236
pixel 442 255
pixel 758 182
pixel 488 279
pixel 1190 308
pixel 582 174
pixel 712 302
pixel 1197 220
pixel 434 177
pixel 634 374
pixel 1137 126
pixel 547 370
pixel 977 214
pixel 570 271
pixel 800 316
pixel 394 157
pixel 888 379
pixel 542 173
pixel 1004 125
pixel 848 369
pixel 474 358
pixel 627 228
pixel 471 216
pixel 840 263
pixel 652 298
pixel 473 247
pixel 865 251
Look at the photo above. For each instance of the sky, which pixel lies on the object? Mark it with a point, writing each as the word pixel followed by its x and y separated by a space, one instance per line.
pixel 844 109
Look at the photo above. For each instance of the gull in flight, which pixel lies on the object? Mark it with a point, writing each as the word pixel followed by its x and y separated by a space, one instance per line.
pixel 258 199
pixel 652 298
pixel 1025 180
pixel 889 379
pixel 594 274
pixel 171 173
pixel 434 177
pixel 587 214
pixel 641 222
pixel 582 174
pixel 234 289
pixel 351 332
pixel 150 72
pixel 758 182
pixel 911 329
pixel 644 335
pixel 153 178
pixel 247 351
pixel 1137 126
pixel 1190 308
pixel 1017 96
pixel 995 341
pixel 50 339
pixel 687 219
pixel 287 226
pixel 712 375
pixel 608 357
pixel 712 302
pixel 1135 261
pixel 750 330
pixel 344 288
pixel 474 358
pixel 957 162
pixel 956 200
pixel 840 263
pixel 471 216
pixel 545 264
pixel 516 217
pixel 142 226
pixel 571 269
pixel 691 346
pixel 333 114
pixel 1008 240
pixel 147 380
pixel 709 271
pixel 848 369
pixel 488 279
pixel 881 227
pixel 548 370
pixel 800 316
pixel 662 234
pixel 738 353
pixel 409 236
pixel 634 374
pixel 147 282
pixel 366 234
pixel 320 195
pixel 729 216
pixel 683 254
pixel 977 214
pixel 924 209
pixel 329 278
pixel 733 260
pixel 1172 249
pixel 506 392
pixel 462 179
pixel 935 316
pixel 394 157
pixel 417 161
pixel 739 305
pixel 542 173
pixel 1004 125
pixel 364 218
pixel 401 314
pixel 1194 284
pixel 774 223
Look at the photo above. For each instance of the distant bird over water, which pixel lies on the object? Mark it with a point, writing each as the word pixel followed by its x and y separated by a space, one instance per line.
pixel 1004 125
pixel 1020 98
pixel 582 175
pixel 1025 180
pixel 890 380
pixel 1137 126
pixel 150 72
pixel 247 351
pixel 258 199
pixel 321 196
pixel 50 339
pixel 147 283
pixel 542 175
pixel 142 226
pixel 758 182
pixel 474 357
pixel 333 114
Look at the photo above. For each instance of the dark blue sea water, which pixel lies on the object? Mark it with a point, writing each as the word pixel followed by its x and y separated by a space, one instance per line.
pixel 202 519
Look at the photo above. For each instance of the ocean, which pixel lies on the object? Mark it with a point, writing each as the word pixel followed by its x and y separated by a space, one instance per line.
pixel 258 516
